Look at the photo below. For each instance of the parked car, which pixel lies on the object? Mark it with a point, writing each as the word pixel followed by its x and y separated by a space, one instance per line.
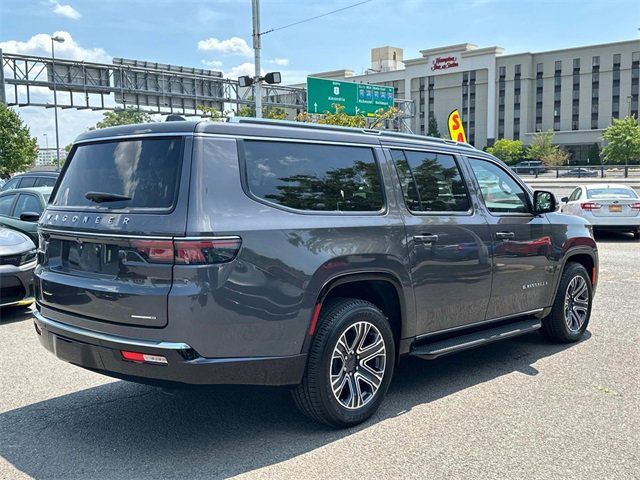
pixel 579 172
pixel 21 209
pixel 17 262
pixel 30 179
pixel 275 253
pixel 531 167
pixel 606 207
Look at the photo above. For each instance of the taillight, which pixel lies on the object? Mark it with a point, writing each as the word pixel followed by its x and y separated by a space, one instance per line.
pixel 202 252
pixel 590 206
pixel 154 251
pixel 636 206
pixel 188 252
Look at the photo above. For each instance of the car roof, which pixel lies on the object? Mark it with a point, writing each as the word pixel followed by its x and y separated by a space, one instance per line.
pixel 595 186
pixel 37 190
pixel 37 174
pixel 252 127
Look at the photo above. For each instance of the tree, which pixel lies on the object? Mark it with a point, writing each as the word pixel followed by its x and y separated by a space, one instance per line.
pixel 623 141
pixel 275 113
pixel 509 151
pixel 542 148
pixel 432 128
pixel 127 116
pixel 18 149
pixel 593 155
pixel 337 118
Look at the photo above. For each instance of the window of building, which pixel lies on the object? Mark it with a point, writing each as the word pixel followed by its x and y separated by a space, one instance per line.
pixel 500 192
pixel 313 177
pixel 635 79
pixel 431 182
pixel 595 61
pixel 558 67
pixel 615 96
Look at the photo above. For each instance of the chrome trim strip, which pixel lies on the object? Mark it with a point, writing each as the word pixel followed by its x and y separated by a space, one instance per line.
pixel 373 143
pixel 75 233
pixel 477 324
pixel 127 342
pixel 134 136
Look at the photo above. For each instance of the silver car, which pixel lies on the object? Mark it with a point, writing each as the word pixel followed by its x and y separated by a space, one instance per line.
pixel 606 207
pixel 17 262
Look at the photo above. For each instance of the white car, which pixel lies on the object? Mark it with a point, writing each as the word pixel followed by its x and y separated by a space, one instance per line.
pixel 606 207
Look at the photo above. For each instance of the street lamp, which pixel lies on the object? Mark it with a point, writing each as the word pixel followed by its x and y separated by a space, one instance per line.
pixel 54 39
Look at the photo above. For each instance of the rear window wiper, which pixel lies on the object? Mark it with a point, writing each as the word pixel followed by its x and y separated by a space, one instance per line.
pixel 100 197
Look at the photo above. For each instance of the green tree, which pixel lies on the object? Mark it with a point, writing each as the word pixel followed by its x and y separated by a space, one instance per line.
pixel 623 141
pixel 432 128
pixel 245 111
pixel 336 118
pixel 275 113
pixel 542 148
pixel 509 151
pixel 18 149
pixel 593 155
pixel 127 116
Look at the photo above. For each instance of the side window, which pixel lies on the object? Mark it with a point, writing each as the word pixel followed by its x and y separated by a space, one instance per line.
pixel 6 202
pixel 314 177
pixel 574 195
pixel 45 182
pixel 28 182
pixel 501 193
pixel 10 185
pixel 431 182
pixel 579 194
pixel 27 203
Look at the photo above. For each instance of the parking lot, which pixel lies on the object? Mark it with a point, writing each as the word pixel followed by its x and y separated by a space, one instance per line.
pixel 516 409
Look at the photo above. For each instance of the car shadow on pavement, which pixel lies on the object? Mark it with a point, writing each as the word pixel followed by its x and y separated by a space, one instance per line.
pixel 15 314
pixel 614 237
pixel 125 430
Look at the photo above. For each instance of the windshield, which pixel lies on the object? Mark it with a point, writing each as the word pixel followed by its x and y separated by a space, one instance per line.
pixel 611 192
pixel 143 173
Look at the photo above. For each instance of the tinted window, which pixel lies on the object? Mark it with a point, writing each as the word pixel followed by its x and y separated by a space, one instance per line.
pixel 314 177
pixel 611 192
pixel 27 203
pixel 45 182
pixel 28 182
pixel 431 182
pixel 575 194
pixel 5 204
pixel 145 170
pixel 501 193
pixel 10 185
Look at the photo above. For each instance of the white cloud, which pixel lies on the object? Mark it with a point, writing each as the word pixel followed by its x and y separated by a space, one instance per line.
pixel 40 44
pixel 283 62
pixel 241 70
pixel 65 10
pixel 213 64
pixel 231 46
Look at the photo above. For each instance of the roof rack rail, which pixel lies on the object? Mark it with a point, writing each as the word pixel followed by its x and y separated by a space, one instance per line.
pixel 368 131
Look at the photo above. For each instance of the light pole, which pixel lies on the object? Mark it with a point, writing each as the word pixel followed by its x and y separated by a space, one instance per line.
pixel 255 7
pixel 46 140
pixel 55 95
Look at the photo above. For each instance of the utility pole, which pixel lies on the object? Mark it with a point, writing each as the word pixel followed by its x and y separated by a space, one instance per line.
pixel 55 96
pixel 257 89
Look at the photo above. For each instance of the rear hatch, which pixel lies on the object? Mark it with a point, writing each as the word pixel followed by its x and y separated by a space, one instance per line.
pixel 106 250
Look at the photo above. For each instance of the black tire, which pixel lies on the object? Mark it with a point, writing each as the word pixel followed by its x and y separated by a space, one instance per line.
pixel 556 326
pixel 315 396
pixel 636 235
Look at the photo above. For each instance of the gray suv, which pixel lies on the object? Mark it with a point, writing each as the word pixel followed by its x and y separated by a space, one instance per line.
pixel 272 253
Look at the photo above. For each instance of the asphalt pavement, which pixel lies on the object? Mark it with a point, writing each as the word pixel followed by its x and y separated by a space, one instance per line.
pixel 522 408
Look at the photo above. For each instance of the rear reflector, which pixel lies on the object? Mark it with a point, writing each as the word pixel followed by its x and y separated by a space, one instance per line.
pixel 143 357
pixel 188 252
pixel 314 319
pixel 589 206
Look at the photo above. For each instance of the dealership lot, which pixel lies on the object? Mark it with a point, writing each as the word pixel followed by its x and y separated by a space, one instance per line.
pixel 512 409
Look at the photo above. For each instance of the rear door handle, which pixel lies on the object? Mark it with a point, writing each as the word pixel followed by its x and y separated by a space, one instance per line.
pixel 505 235
pixel 425 238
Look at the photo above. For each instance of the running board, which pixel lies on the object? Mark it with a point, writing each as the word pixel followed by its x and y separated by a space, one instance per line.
pixel 436 349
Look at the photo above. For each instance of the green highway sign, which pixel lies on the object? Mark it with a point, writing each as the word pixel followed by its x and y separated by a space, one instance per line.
pixel 357 98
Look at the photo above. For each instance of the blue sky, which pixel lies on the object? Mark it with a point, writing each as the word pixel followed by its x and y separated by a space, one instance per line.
pixel 215 33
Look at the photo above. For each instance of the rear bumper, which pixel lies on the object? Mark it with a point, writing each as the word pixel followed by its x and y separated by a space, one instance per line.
pixel 101 353
pixel 614 223
pixel 16 284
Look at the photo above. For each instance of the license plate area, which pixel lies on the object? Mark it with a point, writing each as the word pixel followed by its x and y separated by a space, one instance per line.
pixel 615 208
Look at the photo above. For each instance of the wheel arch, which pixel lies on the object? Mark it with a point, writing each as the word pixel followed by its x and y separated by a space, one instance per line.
pixel 587 257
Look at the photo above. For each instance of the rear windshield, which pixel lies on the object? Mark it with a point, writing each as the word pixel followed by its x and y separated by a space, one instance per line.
pixel 144 170
pixel 611 192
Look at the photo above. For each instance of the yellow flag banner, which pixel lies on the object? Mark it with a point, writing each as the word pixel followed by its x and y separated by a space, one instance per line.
pixel 456 130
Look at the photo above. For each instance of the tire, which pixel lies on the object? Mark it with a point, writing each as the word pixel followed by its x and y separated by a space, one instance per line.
pixel 636 235
pixel 338 325
pixel 567 322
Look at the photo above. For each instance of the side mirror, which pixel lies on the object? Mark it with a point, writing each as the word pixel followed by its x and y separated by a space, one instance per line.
pixel 29 216
pixel 564 199
pixel 544 202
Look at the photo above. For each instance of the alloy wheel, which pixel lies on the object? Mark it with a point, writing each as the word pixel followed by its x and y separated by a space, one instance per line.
pixel 576 303
pixel 357 365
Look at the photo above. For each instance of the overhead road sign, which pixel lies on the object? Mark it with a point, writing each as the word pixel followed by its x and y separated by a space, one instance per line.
pixel 356 98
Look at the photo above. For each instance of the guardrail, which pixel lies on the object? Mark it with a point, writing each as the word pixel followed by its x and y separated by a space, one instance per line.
pixel 580 171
